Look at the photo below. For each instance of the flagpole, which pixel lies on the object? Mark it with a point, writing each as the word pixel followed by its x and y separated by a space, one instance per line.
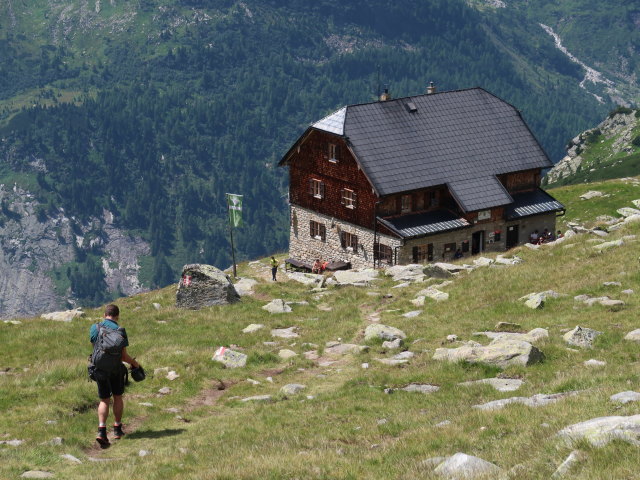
pixel 233 252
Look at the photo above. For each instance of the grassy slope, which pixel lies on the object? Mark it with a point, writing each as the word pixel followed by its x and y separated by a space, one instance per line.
pixel 336 434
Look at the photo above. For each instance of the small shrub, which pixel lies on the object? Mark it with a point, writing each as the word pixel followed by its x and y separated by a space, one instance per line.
pixel 637 114
pixel 593 136
pixel 636 141
pixel 619 110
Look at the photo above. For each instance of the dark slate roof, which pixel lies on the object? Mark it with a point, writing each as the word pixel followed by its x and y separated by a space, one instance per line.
pixel 478 193
pixel 532 203
pixel 420 224
pixel 452 137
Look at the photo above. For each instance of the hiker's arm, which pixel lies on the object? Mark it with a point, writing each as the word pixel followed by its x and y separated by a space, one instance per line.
pixel 131 361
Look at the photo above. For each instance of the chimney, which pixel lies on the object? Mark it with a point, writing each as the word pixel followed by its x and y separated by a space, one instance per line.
pixel 431 88
pixel 386 95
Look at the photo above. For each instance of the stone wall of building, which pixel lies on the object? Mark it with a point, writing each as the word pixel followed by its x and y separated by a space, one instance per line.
pixel 525 227
pixel 302 246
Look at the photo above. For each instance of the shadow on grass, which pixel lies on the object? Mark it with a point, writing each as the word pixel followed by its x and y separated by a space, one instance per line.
pixel 169 432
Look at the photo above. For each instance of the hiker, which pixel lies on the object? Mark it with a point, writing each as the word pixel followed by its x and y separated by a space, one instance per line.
pixel 458 254
pixel 110 382
pixel 274 268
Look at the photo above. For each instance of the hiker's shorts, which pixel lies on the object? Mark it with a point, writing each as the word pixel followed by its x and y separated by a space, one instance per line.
pixel 110 384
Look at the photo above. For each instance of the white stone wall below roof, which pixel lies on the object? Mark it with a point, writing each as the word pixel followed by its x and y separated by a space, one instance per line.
pixel 306 248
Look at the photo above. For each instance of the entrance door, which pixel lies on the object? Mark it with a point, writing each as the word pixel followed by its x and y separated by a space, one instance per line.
pixel 477 242
pixel 512 236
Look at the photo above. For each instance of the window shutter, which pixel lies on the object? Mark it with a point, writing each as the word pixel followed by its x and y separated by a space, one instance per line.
pixel 342 240
pixel 342 196
pixel 321 189
pixel 355 199
pixel 354 242
pixel 311 229
pixel 323 232
pixel 415 254
pixel 337 152
pixel 311 186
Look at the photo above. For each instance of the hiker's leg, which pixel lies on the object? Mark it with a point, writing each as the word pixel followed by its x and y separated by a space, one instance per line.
pixel 103 411
pixel 118 408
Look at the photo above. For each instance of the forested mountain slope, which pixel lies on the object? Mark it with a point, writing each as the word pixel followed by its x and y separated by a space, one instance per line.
pixel 152 110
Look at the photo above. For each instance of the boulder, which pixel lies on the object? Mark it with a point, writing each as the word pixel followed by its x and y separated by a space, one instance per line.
pixel 634 336
pixel 37 474
pixel 244 286
pixel 204 286
pixel 532 336
pixel 406 273
pixel 307 278
pixel 434 294
pixel 625 397
pixel 65 316
pixel 502 352
pixel 535 302
pixel 292 389
pixel 383 332
pixel 337 349
pixel 420 388
pixel 627 211
pixel 502 260
pixel 277 305
pixel 482 262
pixel 412 314
pixel 500 384
pixel 254 327
pixel 581 337
pixel 461 466
pixel 285 332
pixel 230 358
pixel 433 271
pixel 286 354
pixel 257 398
pixel 392 345
pixel 593 363
pixel 507 327
pixel 600 431
pixel 607 245
pixel 538 400
pixel 591 194
pixel 359 278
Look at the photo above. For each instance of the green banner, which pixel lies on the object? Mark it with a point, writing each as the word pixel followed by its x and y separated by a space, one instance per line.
pixel 234 203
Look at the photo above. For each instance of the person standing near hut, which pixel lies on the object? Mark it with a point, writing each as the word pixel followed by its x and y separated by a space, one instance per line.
pixel 274 268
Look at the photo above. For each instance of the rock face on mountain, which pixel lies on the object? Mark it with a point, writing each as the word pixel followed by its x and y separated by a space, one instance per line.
pixel 204 286
pixel 33 243
pixel 618 127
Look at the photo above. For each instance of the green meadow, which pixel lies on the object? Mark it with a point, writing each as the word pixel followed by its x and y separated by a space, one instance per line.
pixel 343 425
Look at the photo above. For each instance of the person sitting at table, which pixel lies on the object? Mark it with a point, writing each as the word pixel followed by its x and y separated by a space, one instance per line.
pixel 317 266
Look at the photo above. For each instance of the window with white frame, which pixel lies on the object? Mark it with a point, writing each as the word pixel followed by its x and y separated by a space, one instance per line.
pixel 334 152
pixel 349 241
pixel 348 198
pixel 318 231
pixel 316 188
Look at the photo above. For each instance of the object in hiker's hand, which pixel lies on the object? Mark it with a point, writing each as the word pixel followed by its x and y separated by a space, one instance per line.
pixel 138 373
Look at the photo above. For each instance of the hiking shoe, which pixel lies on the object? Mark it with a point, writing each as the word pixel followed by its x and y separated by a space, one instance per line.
pixel 118 433
pixel 102 438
